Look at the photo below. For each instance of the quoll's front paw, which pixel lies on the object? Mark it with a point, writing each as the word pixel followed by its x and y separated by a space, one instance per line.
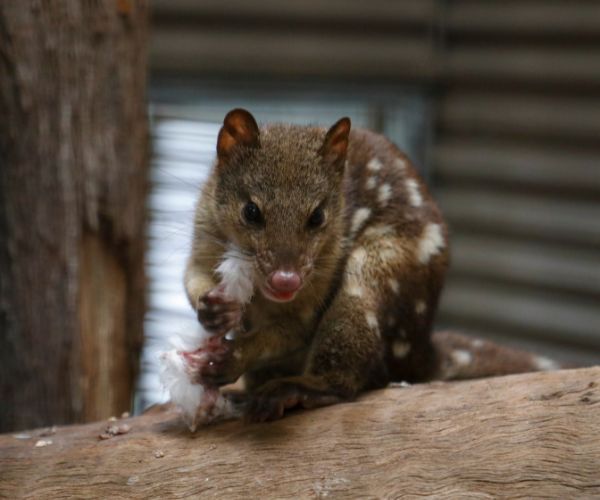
pixel 217 314
pixel 214 364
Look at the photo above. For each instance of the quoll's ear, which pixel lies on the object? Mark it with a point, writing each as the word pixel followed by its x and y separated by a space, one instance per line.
pixel 335 145
pixel 239 129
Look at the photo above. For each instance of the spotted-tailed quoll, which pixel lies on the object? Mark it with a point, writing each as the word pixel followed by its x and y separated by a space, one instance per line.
pixel 347 251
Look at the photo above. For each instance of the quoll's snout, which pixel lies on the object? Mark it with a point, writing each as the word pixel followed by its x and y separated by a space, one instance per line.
pixel 282 285
pixel 285 281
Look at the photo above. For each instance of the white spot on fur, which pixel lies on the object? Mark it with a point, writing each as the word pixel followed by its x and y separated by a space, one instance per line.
pixel 359 218
pixel 399 163
pixel 388 255
pixel 353 285
pixel 389 251
pixel 400 348
pixel 477 343
pixel 372 321
pixel 355 290
pixel 357 260
pixel 431 242
pixel 414 195
pixel 394 285
pixel 371 182
pixel 374 165
pixel 420 307
pixel 545 364
pixel 462 357
pixel 380 231
pixel 384 194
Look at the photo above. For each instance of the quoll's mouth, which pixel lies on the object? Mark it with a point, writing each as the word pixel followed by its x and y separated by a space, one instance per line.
pixel 282 285
pixel 278 296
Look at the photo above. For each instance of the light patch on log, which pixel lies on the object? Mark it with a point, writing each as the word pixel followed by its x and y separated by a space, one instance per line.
pixel 102 333
pixel 534 432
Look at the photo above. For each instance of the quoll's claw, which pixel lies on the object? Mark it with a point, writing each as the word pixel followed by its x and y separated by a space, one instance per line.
pixel 271 401
pixel 217 313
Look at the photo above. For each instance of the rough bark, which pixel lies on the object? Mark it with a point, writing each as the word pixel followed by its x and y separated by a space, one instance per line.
pixel 521 436
pixel 73 170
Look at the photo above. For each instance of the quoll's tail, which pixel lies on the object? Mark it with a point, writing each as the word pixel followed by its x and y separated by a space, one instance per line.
pixel 463 357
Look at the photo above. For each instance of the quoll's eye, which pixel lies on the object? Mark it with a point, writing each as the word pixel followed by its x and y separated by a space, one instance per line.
pixel 251 213
pixel 317 218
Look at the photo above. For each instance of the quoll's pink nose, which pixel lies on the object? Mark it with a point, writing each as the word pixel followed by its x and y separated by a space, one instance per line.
pixel 285 281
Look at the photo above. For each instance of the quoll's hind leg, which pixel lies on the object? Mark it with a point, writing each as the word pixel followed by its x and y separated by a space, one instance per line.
pixel 288 366
pixel 357 345
pixel 402 276
pixel 345 358
pixel 409 303
pixel 407 321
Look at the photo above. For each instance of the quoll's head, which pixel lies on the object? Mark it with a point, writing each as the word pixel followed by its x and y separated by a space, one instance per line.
pixel 279 198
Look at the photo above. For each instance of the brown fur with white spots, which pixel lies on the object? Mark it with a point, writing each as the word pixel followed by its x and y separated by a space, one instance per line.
pixel 372 268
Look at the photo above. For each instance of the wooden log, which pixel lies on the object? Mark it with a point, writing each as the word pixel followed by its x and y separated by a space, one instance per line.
pixel 531 435
pixel 73 178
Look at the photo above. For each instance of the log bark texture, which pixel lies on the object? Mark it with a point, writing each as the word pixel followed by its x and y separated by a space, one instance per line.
pixel 520 436
pixel 73 176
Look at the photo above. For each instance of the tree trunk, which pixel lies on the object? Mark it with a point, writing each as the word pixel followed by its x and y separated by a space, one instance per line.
pixel 523 436
pixel 73 180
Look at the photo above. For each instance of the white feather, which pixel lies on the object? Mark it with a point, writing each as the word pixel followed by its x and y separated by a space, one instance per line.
pixel 197 403
pixel 175 378
pixel 236 273
pixel 188 339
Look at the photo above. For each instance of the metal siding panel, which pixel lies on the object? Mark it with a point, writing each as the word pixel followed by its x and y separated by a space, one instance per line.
pixel 220 49
pixel 541 314
pixel 529 166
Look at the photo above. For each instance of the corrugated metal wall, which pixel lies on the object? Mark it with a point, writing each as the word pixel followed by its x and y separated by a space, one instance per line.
pixel 332 38
pixel 517 163
pixel 516 156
